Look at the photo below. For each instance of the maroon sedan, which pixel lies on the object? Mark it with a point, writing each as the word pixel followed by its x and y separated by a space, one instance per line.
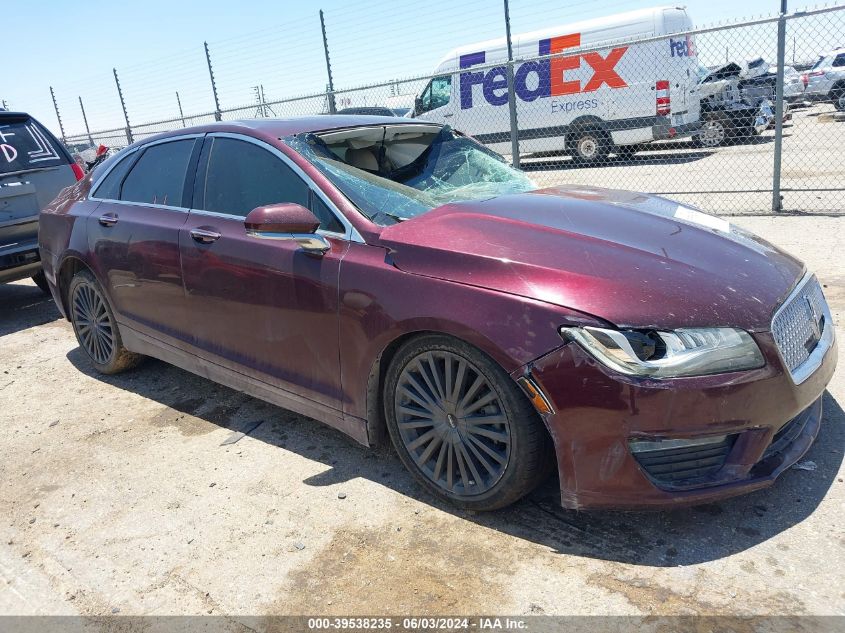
pixel 387 275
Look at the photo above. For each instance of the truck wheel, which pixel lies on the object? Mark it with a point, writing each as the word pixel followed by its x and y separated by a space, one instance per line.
pixel 716 129
pixel 41 281
pixel 95 326
pixel 837 95
pixel 462 426
pixel 589 146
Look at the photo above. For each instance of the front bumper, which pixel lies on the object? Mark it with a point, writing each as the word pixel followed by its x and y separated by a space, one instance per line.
pixel 598 413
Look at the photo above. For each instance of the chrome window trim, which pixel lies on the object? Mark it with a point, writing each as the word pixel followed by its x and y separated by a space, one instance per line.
pixel 100 179
pixel 350 232
pixel 816 357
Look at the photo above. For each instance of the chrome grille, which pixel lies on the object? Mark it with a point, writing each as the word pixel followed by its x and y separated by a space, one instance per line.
pixel 799 323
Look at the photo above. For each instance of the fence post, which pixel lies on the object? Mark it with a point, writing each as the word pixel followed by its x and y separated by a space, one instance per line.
pixel 123 105
pixel 330 94
pixel 179 103
pixel 777 201
pixel 511 92
pixel 218 115
pixel 85 120
pixel 58 116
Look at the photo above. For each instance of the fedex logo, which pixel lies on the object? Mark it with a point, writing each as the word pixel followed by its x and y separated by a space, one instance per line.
pixel 550 73
pixel 682 48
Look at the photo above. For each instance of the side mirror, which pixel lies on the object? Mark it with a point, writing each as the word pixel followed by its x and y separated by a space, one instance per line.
pixel 417 105
pixel 287 221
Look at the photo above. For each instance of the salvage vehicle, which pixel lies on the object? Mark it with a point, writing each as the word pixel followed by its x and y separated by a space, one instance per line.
pixel 825 81
pixel 34 167
pixel 394 277
pixel 588 102
pixel 732 108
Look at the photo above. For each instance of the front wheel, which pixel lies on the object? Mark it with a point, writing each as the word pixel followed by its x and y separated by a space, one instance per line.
pixel 715 131
pixel 95 326
pixel 461 426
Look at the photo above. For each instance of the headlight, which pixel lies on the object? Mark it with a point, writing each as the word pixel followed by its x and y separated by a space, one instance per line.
pixel 684 352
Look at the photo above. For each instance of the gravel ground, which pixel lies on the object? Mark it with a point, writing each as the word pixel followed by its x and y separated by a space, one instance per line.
pixel 118 495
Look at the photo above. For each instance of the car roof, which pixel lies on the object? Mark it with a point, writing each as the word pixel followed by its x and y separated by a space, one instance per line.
pixel 280 128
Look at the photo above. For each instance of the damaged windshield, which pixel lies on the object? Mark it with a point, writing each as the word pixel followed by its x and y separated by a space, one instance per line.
pixel 395 172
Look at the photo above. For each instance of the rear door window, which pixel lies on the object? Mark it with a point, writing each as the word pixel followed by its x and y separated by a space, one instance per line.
pixel 839 61
pixel 109 189
pixel 159 175
pixel 25 145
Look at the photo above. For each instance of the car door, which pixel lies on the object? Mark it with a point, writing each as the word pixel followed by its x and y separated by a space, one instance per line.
pixel 134 235
pixel 260 306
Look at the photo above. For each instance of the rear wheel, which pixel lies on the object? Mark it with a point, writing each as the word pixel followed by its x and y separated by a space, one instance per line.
pixel 95 326
pixel 589 146
pixel 461 425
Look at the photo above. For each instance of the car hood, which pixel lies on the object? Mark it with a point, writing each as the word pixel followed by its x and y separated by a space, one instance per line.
pixel 630 258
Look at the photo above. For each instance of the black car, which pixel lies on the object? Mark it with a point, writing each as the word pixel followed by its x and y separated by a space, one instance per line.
pixel 34 168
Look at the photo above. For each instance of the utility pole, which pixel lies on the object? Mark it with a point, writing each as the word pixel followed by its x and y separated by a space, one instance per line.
pixel 58 116
pixel 330 94
pixel 85 120
pixel 179 103
pixel 777 202
pixel 511 92
pixel 218 115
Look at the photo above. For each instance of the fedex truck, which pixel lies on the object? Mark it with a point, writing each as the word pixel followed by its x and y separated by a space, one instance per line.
pixel 588 88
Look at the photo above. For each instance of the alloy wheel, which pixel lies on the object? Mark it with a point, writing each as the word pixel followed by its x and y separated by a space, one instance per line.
pixel 452 423
pixel 92 322
pixel 713 133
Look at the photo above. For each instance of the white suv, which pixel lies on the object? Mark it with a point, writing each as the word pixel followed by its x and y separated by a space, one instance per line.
pixel 825 81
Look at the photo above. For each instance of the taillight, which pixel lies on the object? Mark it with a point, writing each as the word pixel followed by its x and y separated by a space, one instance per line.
pixel 77 171
pixel 805 79
pixel 816 73
pixel 662 100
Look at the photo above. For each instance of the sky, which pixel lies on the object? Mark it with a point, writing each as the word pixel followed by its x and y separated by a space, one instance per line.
pixel 157 48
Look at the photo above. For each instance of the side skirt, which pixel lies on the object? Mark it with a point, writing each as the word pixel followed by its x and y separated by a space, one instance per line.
pixel 140 343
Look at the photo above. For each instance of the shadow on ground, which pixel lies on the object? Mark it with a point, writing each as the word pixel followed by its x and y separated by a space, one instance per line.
pixel 655 538
pixel 23 305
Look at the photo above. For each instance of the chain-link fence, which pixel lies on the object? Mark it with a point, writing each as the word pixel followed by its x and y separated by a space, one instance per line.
pixel 737 118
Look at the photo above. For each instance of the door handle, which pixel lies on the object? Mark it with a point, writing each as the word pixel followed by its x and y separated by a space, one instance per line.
pixel 108 219
pixel 204 236
pixel 446 116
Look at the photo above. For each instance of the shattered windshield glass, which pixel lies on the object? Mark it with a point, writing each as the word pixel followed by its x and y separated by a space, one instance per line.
pixel 396 172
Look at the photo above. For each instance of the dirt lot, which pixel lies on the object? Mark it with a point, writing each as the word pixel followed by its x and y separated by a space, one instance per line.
pixel 813 158
pixel 118 495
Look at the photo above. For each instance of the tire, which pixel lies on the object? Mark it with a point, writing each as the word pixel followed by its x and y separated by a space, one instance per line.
pixel 589 147
pixel 837 95
pixel 475 466
pixel 95 326
pixel 41 281
pixel 716 130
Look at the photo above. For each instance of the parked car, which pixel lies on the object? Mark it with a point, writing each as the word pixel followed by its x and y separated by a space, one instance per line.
pixel 825 81
pixel 380 273
pixel 732 108
pixel 588 104
pixel 34 167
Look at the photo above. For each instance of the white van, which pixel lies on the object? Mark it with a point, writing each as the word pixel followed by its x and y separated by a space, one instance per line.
pixel 606 96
